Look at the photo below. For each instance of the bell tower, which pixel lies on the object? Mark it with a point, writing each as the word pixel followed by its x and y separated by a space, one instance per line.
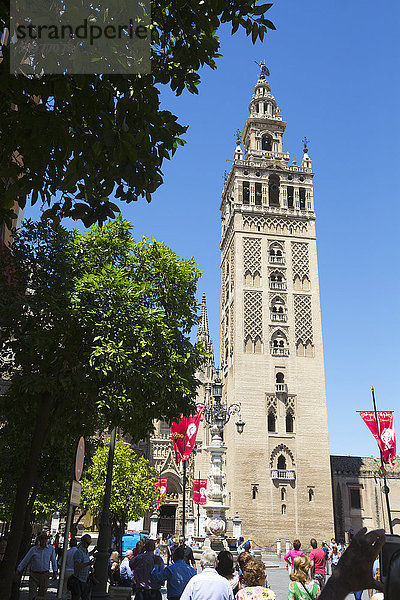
pixel 271 352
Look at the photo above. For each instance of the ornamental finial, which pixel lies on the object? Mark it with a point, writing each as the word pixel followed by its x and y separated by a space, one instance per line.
pixel 264 71
pixel 238 135
pixel 305 142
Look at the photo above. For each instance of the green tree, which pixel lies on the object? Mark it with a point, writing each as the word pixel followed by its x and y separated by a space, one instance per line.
pixel 98 329
pixel 133 486
pixel 91 136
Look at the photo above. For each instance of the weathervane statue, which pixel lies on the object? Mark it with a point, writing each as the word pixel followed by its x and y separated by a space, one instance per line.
pixel 264 71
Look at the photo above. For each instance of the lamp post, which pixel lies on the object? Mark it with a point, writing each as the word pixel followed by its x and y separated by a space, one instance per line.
pixel 217 414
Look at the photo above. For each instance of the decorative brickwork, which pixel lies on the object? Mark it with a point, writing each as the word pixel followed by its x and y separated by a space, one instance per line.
pixel 272 403
pixel 300 260
pixel 252 255
pixel 303 319
pixel 232 323
pixel 252 314
pixel 274 225
pixel 232 263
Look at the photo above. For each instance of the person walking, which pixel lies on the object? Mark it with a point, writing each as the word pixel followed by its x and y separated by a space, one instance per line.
pixel 69 566
pixel 79 584
pixel 176 575
pixel 254 580
pixel 301 587
pixel 326 551
pixel 171 543
pixel 317 560
pixel 208 585
pixel 225 569
pixel 189 558
pixel 334 557
pixel 39 558
pixel 142 566
pixel 291 555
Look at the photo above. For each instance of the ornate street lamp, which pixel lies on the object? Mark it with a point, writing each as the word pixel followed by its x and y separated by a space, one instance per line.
pixel 217 414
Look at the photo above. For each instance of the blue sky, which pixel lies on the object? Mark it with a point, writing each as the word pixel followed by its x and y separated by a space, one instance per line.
pixel 334 74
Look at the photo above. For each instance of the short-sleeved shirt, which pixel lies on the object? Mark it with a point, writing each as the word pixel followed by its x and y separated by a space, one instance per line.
pixel 82 556
pixel 335 557
pixel 318 556
pixel 255 593
pixel 291 555
pixel 298 591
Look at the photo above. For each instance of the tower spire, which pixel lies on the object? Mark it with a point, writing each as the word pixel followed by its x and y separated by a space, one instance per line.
pixel 203 334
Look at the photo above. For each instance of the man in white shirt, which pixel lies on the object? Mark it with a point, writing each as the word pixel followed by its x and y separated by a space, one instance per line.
pixel 208 584
pixel 39 558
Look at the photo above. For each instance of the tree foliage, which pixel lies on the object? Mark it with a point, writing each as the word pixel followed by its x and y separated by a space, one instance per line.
pixel 94 333
pixel 133 484
pixel 103 327
pixel 91 137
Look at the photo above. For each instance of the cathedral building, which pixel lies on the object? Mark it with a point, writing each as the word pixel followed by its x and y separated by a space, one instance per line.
pixel 278 479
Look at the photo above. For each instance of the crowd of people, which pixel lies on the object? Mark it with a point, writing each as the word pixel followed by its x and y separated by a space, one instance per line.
pixel 219 579
pixel 143 570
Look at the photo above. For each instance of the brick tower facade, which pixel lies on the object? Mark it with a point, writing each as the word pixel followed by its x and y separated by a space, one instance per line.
pixel 271 352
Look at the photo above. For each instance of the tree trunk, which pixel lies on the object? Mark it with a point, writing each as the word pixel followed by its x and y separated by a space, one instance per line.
pixel 74 526
pixel 23 549
pixel 24 487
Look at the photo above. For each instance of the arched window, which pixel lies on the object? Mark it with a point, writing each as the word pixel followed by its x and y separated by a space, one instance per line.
pixel 266 143
pixel 277 281
pixel 271 421
pixel 276 254
pixel 289 422
pixel 310 494
pixel 284 509
pixel 281 463
pixel 279 377
pixel 273 188
pixel 278 344
pixel 278 309
pixel 283 494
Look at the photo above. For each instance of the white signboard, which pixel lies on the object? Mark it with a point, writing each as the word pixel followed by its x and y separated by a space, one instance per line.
pixel 75 497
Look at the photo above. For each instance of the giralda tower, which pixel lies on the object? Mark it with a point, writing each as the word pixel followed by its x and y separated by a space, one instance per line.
pixel 271 352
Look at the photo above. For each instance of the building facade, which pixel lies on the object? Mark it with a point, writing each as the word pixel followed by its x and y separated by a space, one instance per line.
pixel 358 496
pixel 271 351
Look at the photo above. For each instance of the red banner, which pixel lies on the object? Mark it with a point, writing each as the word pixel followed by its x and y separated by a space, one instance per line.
pixel 161 487
pixel 200 491
pixel 184 434
pixel 387 439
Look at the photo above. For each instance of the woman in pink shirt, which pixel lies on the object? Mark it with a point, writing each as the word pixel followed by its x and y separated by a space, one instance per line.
pixel 290 556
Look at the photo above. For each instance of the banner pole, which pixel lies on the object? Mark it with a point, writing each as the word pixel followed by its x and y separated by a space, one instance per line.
pixel 184 498
pixel 386 489
pixel 198 513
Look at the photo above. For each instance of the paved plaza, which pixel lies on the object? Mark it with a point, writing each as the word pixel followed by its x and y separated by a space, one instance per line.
pixel 277 576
